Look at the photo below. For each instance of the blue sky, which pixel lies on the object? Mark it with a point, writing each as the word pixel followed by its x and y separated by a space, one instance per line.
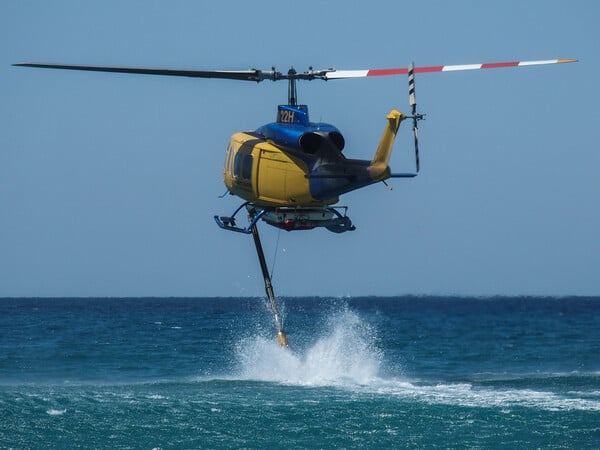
pixel 108 183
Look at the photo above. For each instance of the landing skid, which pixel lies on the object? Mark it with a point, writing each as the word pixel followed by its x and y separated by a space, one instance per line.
pixel 228 222
pixel 290 218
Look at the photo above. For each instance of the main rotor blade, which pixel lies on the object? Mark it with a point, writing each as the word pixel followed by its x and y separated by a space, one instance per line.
pixel 338 74
pixel 260 75
pixel 244 75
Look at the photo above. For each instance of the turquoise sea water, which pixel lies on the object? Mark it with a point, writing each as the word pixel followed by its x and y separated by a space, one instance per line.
pixel 360 373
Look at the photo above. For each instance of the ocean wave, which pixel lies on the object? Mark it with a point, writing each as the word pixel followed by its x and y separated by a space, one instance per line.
pixel 468 395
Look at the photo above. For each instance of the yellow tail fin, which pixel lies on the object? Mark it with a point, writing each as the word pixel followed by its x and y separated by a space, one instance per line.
pixel 379 164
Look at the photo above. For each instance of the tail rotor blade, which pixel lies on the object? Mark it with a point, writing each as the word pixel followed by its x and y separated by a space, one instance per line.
pixel 416 134
pixel 412 100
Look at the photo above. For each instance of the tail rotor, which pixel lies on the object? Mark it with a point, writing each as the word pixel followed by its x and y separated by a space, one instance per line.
pixel 415 117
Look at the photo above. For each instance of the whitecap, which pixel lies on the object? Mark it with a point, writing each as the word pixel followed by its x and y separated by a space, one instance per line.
pixel 467 395
pixel 344 355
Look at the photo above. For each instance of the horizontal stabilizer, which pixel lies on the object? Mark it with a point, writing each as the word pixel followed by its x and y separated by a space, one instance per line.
pixel 403 175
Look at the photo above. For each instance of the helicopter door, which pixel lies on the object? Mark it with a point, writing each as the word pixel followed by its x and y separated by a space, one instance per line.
pixel 271 177
pixel 280 180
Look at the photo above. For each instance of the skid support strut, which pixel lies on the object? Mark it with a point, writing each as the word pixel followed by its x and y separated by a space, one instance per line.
pixel 281 336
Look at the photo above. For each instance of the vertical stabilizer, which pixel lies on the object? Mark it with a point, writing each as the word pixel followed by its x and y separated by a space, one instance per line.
pixel 379 164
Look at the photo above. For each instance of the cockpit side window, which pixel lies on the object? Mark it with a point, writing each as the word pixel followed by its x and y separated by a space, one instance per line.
pixel 237 165
pixel 242 166
pixel 247 167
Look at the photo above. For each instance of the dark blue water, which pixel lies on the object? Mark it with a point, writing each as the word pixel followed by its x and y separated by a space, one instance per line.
pixel 359 373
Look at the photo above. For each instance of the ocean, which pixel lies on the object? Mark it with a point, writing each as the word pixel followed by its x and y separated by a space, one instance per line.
pixel 369 372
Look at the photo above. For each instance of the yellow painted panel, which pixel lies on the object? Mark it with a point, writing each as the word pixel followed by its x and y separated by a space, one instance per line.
pixel 281 179
pixel 277 179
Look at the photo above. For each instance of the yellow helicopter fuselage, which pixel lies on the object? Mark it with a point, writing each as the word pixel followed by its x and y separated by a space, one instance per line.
pixel 305 167
pixel 260 172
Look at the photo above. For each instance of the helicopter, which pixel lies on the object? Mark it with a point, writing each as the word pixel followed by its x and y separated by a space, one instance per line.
pixel 290 173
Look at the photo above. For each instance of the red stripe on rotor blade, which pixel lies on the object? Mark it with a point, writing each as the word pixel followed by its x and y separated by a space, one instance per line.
pixel 384 72
pixel 402 71
pixel 429 69
pixel 497 65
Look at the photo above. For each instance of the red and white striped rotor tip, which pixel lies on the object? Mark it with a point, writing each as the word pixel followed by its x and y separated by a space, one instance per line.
pixel 339 74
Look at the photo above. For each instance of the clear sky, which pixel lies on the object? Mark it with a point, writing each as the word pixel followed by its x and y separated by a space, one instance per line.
pixel 108 182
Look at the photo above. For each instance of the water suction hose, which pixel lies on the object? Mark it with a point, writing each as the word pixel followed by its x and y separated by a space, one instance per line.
pixel 281 336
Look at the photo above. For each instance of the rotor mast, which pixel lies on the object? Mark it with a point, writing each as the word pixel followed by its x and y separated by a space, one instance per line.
pixel 292 75
pixel 292 96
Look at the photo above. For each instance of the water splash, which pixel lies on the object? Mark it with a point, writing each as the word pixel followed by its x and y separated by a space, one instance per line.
pixel 344 354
